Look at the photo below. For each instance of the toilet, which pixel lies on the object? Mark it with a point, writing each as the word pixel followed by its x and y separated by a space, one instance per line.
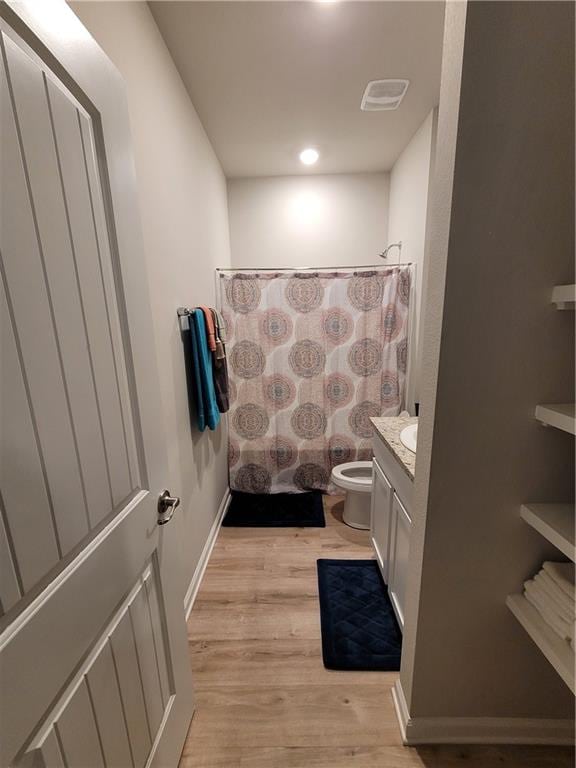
pixel 355 477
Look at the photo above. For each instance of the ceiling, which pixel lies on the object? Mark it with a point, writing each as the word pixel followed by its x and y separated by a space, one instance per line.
pixel 270 78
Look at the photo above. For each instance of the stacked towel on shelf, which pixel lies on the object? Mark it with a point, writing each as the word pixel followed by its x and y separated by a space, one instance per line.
pixel 552 593
pixel 562 574
pixel 558 599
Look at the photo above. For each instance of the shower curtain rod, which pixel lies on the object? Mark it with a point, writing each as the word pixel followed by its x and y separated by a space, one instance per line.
pixel 313 269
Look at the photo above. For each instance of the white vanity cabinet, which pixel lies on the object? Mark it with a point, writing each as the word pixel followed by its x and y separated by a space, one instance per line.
pixel 390 522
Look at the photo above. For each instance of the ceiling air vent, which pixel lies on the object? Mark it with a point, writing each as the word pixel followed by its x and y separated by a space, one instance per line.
pixel 383 94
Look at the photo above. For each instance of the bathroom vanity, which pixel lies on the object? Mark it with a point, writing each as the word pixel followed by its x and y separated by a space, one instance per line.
pixel 391 505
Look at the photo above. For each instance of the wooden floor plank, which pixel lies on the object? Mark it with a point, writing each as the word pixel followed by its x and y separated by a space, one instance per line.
pixel 295 716
pixel 284 662
pixel 380 757
pixel 263 696
pixel 250 620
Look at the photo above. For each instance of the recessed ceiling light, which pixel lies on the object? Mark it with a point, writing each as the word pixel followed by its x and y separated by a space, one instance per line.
pixel 309 156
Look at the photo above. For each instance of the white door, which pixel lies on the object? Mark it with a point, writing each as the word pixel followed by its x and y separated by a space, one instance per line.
pixel 93 654
pixel 399 552
pixel 381 509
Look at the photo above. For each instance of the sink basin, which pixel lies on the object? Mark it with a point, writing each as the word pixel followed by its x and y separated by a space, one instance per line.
pixel 409 436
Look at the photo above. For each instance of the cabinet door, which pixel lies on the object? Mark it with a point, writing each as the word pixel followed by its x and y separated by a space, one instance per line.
pixel 380 517
pixel 399 551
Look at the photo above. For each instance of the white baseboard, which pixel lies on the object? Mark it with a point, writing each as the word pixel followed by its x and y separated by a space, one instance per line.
pixel 478 730
pixel 402 714
pixel 194 586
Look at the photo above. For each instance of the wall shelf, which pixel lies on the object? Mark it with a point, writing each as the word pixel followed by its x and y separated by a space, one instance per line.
pixel 561 416
pixel 564 296
pixel 558 652
pixel 555 522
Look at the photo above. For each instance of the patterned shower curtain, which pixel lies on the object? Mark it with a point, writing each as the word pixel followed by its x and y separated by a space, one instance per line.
pixel 312 356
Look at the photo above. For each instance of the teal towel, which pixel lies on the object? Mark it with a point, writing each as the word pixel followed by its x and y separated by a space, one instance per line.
pixel 207 392
pixel 194 379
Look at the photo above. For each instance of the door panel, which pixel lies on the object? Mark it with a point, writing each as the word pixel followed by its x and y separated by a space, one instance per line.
pixel 110 298
pixel 158 640
pixel 46 132
pixel 131 691
pixel 66 121
pixel 102 684
pixel 47 193
pixel 77 732
pixel 40 651
pixel 93 654
pixel 26 504
pixel 9 588
pixel 32 320
pixel 147 661
pixel 381 512
pixel 400 550
pixel 49 754
pixel 111 713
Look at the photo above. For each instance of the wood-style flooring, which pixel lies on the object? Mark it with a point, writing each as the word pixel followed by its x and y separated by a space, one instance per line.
pixel 263 697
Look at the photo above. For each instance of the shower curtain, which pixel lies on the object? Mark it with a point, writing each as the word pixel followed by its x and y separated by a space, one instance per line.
pixel 312 356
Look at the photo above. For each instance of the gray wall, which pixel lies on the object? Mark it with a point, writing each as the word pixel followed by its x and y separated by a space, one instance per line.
pixel 502 236
pixel 182 196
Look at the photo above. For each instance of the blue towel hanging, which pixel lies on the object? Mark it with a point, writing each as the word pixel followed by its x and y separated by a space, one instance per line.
pixel 208 413
pixel 194 380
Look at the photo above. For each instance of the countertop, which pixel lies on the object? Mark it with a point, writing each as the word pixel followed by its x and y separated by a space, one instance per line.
pixel 389 428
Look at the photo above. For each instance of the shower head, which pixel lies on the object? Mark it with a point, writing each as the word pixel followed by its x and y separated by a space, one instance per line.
pixel 398 245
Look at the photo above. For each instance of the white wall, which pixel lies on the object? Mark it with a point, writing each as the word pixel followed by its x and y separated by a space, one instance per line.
pixel 407 216
pixel 298 221
pixel 182 195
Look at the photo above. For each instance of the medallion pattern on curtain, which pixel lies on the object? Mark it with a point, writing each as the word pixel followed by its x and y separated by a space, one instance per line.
pixel 312 357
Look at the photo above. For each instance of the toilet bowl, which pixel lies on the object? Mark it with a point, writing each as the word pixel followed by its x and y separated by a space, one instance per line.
pixel 355 477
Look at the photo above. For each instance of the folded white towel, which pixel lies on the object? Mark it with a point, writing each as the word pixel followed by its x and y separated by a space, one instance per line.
pixel 564 629
pixel 561 595
pixel 540 590
pixel 563 575
pixel 560 600
pixel 558 626
pixel 537 592
pixel 564 624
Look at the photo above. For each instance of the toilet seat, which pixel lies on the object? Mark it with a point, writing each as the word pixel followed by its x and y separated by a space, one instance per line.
pixel 353 476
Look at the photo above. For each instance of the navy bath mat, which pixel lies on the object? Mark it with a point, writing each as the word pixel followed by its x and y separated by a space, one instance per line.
pixel 276 510
pixel 359 629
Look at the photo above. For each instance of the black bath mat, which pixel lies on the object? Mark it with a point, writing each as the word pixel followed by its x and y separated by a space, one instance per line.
pixel 359 628
pixel 275 510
